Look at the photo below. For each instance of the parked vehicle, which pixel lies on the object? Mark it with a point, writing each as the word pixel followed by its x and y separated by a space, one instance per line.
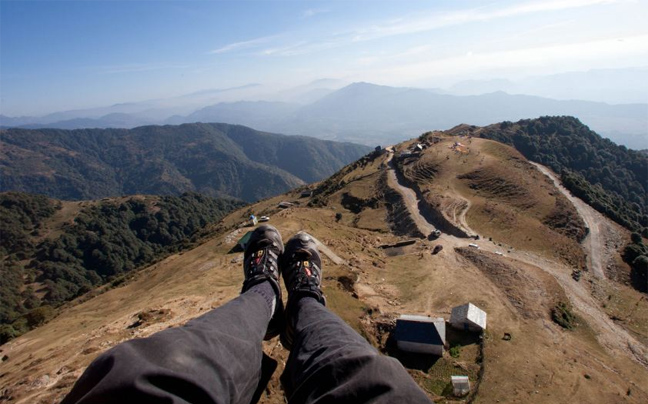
pixel 434 235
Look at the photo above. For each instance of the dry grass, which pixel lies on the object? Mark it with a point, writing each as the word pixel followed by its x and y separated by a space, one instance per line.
pixel 509 199
pixel 541 363
pixel 629 308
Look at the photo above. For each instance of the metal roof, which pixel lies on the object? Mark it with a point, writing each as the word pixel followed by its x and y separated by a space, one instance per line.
pixel 419 329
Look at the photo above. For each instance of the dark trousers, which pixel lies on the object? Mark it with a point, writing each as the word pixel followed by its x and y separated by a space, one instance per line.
pixel 216 358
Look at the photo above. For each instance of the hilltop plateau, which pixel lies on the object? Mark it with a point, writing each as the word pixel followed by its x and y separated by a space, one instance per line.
pixel 564 323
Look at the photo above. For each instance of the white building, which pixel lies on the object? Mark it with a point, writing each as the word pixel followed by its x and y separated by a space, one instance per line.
pixel 420 334
pixel 460 385
pixel 468 317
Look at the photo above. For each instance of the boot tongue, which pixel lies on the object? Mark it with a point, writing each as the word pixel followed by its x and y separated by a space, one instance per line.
pixel 303 254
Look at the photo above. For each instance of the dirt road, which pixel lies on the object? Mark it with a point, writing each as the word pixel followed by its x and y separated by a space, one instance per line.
pixel 610 335
pixel 594 244
pixel 410 199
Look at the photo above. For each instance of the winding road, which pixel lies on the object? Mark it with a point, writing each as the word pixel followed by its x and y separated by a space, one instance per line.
pixel 593 243
pixel 609 334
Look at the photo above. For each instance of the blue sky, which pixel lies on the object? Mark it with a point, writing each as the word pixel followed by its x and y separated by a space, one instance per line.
pixel 58 55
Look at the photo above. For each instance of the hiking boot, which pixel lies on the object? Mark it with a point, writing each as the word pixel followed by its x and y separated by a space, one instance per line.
pixel 261 263
pixel 301 266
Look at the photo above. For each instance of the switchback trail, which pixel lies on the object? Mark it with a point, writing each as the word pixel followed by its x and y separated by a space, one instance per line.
pixel 593 243
pixel 409 197
pixel 611 336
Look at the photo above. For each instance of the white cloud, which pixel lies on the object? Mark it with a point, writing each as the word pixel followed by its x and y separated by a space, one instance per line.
pixel 313 11
pixel 404 25
pixel 242 45
pixel 415 51
pixel 440 20
pixel 300 48
pixel 139 67
pixel 590 54
pixel 287 50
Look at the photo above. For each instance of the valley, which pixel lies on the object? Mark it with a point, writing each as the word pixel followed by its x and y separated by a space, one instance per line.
pixel 531 236
pixel 213 159
pixel 359 112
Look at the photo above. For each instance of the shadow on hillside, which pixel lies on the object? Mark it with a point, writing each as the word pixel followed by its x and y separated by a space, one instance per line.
pixel 417 361
pixel 456 337
pixel 638 280
pixel 424 362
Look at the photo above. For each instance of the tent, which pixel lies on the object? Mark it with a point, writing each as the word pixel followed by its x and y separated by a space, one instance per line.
pixel 242 243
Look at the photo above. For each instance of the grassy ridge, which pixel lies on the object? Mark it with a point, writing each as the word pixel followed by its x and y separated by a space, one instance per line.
pixel 613 179
pixel 213 159
pixel 105 241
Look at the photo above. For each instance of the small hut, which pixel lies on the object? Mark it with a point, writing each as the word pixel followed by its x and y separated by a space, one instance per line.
pixel 242 243
pixel 420 334
pixel 468 317
pixel 460 385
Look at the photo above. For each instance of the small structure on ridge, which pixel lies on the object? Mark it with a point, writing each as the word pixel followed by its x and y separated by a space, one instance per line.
pixel 460 385
pixel 420 334
pixel 241 243
pixel 468 317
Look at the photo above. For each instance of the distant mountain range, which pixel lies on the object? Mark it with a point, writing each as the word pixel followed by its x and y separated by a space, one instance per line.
pixel 213 159
pixel 615 86
pixel 366 113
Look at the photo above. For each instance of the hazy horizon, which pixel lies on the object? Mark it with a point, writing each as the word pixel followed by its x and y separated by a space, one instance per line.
pixel 67 55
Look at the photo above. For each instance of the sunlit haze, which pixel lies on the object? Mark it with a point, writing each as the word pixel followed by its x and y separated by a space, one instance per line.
pixel 61 55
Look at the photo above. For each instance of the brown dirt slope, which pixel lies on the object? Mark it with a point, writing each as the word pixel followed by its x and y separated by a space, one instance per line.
pixel 371 286
pixel 491 189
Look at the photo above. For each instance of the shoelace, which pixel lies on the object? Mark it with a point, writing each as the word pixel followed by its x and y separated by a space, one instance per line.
pixel 305 275
pixel 265 259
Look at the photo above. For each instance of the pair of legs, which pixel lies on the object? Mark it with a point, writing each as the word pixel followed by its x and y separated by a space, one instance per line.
pixel 217 358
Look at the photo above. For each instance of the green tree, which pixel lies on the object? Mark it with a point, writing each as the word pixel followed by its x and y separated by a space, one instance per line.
pixel 39 316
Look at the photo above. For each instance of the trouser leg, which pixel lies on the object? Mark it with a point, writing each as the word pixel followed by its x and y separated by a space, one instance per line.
pixel 215 358
pixel 331 363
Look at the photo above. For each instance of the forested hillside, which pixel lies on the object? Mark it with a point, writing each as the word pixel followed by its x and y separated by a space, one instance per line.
pixel 213 159
pixel 45 264
pixel 613 179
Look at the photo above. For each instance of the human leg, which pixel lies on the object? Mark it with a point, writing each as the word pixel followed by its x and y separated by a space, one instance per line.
pixel 215 358
pixel 329 361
